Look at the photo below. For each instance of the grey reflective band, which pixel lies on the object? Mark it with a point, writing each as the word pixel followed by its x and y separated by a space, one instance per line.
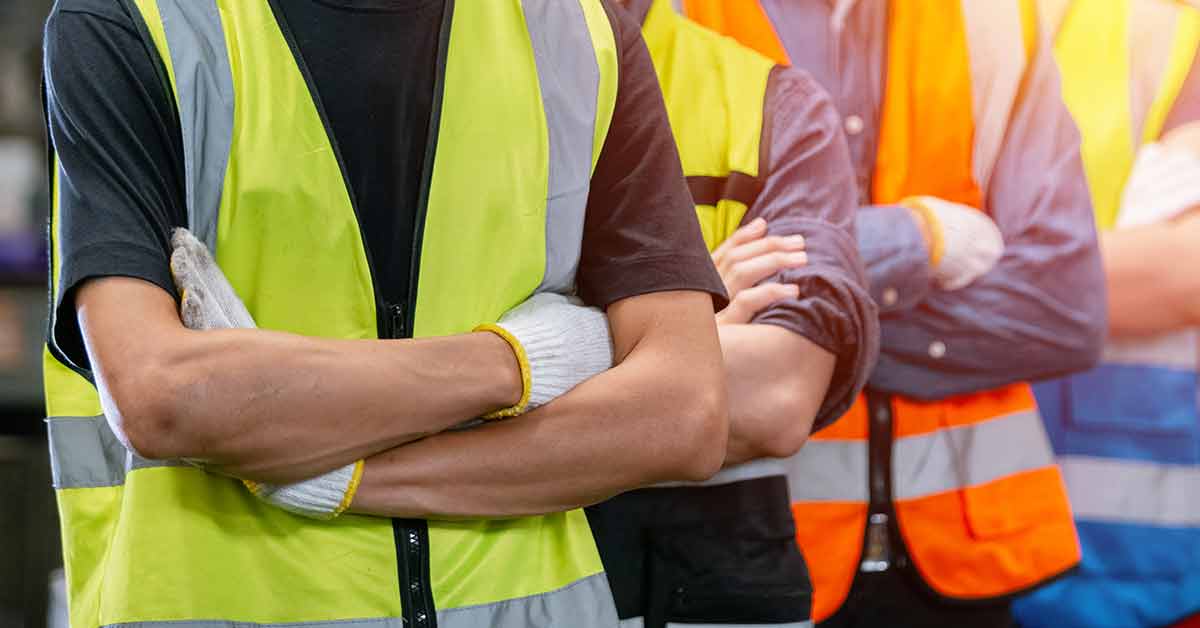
pixel 204 89
pixel 569 76
pixel 1175 350
pixel 803 624
pixel 1132 491
pixel 632 622
pixel 753 470
pixel 949 459
pixel 84 453
pixel 382 622
pixel 585 603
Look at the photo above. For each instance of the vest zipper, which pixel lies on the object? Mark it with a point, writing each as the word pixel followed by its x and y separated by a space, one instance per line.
pixel 412 535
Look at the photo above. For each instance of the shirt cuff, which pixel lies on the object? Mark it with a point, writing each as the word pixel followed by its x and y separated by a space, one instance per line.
pixel 896 257
pixel 836 314
pixel 92 262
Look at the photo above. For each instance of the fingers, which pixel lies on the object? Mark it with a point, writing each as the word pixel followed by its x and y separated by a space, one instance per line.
pixel 761 246
pixel 748 303
pixel 747 273
pixel 756 229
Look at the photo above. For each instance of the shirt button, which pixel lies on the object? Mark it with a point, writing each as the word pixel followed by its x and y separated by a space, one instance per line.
pixel 890 297
pixel 854 125
pixel 937 349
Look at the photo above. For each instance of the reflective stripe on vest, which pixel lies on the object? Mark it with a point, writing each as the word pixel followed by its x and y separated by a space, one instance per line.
pixel 1134 492
pixel 508 184
pixel 947 104
pixel 954 458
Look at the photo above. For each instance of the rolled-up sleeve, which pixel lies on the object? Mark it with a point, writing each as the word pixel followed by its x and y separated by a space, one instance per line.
pixel 1041 311
pixel 809 190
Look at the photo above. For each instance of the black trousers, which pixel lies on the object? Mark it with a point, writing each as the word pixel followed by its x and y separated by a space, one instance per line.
pixel 705 555
pixel 897 598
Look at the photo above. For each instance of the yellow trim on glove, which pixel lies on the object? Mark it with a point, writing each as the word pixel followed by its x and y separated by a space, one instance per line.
pixel 526 376
pixel 255 487
pixel 937 243
pixel 351 489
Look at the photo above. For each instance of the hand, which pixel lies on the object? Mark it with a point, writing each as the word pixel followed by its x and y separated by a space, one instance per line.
pixel 559 343
pixel 964 243
pixel 207 300
pixel 750 255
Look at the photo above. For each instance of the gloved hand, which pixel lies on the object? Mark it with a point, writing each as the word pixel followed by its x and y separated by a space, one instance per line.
pixel 559 343
pixel 208 301
pixel 1164 183
pixel 964 244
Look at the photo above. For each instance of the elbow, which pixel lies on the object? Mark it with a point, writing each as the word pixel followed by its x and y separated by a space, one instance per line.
pixel 794 413
pixel 1091 340
pixel 699 445
pixel 141 407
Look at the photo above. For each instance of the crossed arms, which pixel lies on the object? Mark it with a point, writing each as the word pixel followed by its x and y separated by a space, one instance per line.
pixel 277 407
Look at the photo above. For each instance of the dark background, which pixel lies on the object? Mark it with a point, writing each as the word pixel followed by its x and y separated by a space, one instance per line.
pixel 29 546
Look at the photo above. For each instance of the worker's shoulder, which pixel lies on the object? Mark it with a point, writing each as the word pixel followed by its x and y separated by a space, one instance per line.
pixel 794 89
pixel 71 14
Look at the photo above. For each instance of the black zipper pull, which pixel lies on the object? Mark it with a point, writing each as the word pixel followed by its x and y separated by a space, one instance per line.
pixel 399 322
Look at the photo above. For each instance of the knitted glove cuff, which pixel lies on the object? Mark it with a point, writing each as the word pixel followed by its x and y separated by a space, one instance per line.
pixel 526 372
pixel 557 362
pixel 323 497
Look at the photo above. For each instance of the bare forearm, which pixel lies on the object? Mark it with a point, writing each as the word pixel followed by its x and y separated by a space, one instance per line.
pixel 280 407
pixel 1153 284
pixel 657 416
pixel 777 383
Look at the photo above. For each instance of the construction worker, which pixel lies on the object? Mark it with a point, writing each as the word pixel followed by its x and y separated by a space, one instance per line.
pixel 377 179
pixel 936 498
pixel 771 178
pixel 1128 432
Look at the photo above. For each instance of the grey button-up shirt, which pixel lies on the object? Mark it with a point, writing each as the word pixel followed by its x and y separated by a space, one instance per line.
pixel 1041 311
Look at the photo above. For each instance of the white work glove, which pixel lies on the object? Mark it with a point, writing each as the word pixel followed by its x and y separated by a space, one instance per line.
pixel 208 301
pixel 964 242
pixel 1164 183
pixel 559 343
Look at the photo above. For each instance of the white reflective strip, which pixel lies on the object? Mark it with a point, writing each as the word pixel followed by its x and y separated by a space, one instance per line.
pixel 1178 350
pixel 1151 30
pixel 969 455
pixel 382 622
pixel 995 43
pixel 632 622
pixel 196 39
pixel 1135 492
pixel 586 603
pixel 803 624
pixel 569 77
pixel 84 453
pixel 928 464
pixel 829 470
pixel 764 468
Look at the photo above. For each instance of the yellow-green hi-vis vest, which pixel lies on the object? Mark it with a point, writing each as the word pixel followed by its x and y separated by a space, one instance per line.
pixel 526 90
pixel 714 90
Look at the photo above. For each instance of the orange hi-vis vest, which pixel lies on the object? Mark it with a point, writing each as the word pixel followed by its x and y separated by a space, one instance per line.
pixel 968 482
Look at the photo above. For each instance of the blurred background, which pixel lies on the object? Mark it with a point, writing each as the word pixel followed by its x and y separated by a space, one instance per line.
pixel 28 554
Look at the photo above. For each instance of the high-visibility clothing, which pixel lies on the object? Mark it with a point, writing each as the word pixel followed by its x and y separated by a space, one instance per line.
pixel 1128 432
pixel 526 92
pixel 976 496
pixel 653 539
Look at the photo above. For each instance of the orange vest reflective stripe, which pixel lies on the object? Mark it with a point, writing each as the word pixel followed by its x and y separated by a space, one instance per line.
pixel 979 501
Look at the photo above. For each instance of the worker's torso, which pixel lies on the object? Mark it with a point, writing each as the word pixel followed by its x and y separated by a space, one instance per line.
pixel 1128 432
pixel 502 194
pixel 718 552
pixel 969 481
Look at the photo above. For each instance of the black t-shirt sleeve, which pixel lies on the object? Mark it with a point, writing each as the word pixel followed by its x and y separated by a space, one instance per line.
pixel 111 124
pixel 641 234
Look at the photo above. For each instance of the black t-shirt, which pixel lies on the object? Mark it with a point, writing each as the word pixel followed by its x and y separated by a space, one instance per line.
pixel 113 125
